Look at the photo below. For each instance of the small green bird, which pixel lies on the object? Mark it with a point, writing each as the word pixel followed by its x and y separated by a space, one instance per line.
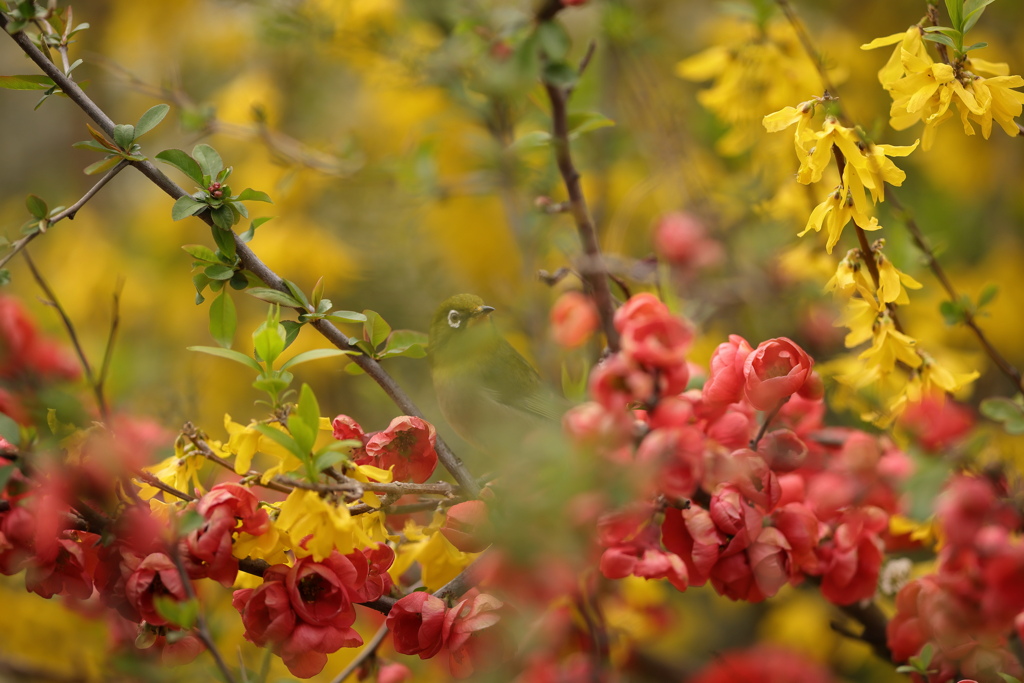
pixel 487 392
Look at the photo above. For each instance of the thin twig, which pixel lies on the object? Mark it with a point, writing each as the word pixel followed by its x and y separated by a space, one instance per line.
pixel 202 629
pixel 68 213
pixel 53 302
pixel 596 277
pixel 166 488
pixel 115 322
pixel 767 421
pixel 368 651
pixel 250 261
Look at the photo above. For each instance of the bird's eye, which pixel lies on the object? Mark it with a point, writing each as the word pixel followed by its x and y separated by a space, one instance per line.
pixel 454 319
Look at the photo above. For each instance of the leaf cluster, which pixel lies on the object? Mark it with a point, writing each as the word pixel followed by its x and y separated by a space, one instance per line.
pixel 963 14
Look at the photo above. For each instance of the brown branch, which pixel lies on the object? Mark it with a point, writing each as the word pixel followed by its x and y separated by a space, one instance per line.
pixel 767 421
pixel 249 260
pixel 595 278
pixel 201 628
pixel 368 651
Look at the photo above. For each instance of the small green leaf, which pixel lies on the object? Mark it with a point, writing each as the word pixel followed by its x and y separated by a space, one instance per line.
pixel 209 160
pixel 318 293
pixel 101 166
pixel 29 82
pixel 353 369
pixel 229 354
pixel 346 317
pixel 185 207
pixel 5 277
pixel 297 292
pixel 939 38
pixel 151 119
pixel 408 343
pixel 586 121
pixel 36 206
pixel 283 439
pixel 1009 679
pixel 183 162
pixel 189 521
pixel 124 135
pixel 92 146
pixel 10 430
pixel 183 613
pixel 291 331
pixel 951 312
pixel 375 329
pixel 269 339
pixel 987 295
pixel 1001 409
pixel 6 472
pixel 225 240
pixel 976 46
pixel 218 271
pixel 973 9
pixel 315 354
pixel 329 459
pixel 250 195
pixel 532 140
pixel 955 9
pixel 223 319
pixel 256 222
pixel 201 253
pixel 308 411
pixel 273 296
pixel 553 40
pixel 223 217
pixel 559 74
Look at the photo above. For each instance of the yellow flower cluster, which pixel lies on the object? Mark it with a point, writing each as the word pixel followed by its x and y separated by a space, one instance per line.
pixel 866 168
pixel 923 90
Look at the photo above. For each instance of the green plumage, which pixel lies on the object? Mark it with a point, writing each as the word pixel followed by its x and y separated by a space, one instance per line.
pixel 487 391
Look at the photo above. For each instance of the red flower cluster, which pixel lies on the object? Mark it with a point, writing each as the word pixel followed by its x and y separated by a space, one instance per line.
pixel 421 624
pixel 681 239
pixel 969 607
pixel 306 611
pixel 407 445
pixel 747 517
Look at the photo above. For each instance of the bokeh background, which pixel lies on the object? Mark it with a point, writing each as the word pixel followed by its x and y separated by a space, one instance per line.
pixel 398 141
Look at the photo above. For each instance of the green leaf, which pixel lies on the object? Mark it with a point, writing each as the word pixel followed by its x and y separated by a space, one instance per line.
pixel 329 459
pixel 273 296
pixel 955 9
pixel 183 614
pixel 250 195
pixel 308 413
pixel 201 253
pixel 223 319
pixel 256 222
pixel 218 271
pixel 229 354
pixel 5 277
pixel 346 317
pixel 124 135
pixel 297 292
pixel 36 206
pixel 951 312
pixel 185 207
pixel 269 340
pixel 183 162
pixel 354 369
pixel 29 82
pixel 225 240
pixel 101 166
pixel 987 295
pixel 6 472
pixel 559 74
pixel 151 119
pixel 92 146
pixel 10 430
pixel 291 331
pixel 553 40
pixel 532 140
pixel 973 9
pixel 939 38
pixel 189 521
pixel 283 439
pixel 976 46
pixel 318 294
pixel 315 354
pixel 375 329
pixel 1009 679
pixel 408 343
pixel 223 217
pixel 208 159
pixel 585 121
pixel 1001 409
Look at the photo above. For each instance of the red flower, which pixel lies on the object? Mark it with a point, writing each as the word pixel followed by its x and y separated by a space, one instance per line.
pixel 678 454
pixel 416 622
pixel 725 382
pixel 155 576
pixel 633 543
pixel 408 446
pixel 377 581
pixel 468 526
pixel 68 573
pixel 207 550
pixel 680 238
pixel 266 611
pixel 852 559
pixel 763 664
pixel 659 341
pixel 239 503
pixel 473 644
pixel 23 350
pixel 574 319
pixel 346 429
pixel 692 535
pixel 777 369
pixel 639 308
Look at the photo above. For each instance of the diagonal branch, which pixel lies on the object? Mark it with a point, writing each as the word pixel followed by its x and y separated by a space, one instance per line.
pixel 250 260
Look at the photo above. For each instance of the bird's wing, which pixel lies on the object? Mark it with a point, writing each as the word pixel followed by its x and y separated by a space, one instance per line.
pixel 528 395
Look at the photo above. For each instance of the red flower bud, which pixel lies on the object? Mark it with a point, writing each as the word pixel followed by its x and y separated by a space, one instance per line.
pixel 776 370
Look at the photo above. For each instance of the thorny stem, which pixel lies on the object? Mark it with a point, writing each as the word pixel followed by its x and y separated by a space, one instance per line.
pixel 595 276
pixel 368 651
pixel 1007 368
pixel 250 261
pixel 68 213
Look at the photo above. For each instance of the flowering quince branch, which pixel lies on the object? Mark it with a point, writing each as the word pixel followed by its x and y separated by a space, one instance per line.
pixel 201 627
pixel 369 650
pixel 250 260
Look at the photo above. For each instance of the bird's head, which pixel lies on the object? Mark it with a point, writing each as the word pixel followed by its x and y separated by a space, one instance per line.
pixel 462 316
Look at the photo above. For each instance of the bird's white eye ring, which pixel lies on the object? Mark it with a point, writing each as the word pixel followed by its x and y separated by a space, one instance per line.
pixel 453 318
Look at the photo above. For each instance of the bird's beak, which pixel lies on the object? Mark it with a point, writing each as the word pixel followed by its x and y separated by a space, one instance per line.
pixel 480 313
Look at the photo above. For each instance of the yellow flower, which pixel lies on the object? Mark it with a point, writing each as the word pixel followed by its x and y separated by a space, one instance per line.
pixel 269 546
pixel 936 377
pixel 910 41
pixel 440 560
pixel 180 471
pixel 835 212
pixel 327 526
pixel 245 441
pixel 892 282
pixel 998 102
pixel 859 317
pixel 889 345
